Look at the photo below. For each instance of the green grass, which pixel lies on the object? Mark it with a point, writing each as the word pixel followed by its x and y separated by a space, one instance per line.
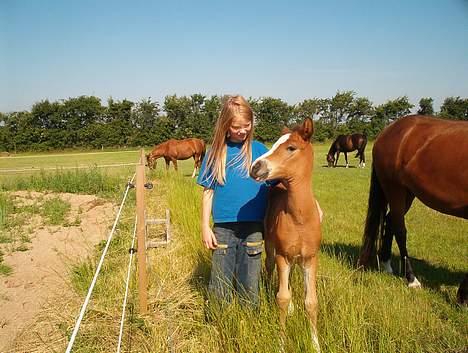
pixel 55 210
pixel 358 311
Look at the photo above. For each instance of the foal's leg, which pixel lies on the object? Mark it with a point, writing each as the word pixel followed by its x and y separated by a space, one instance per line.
pixel 168 160
pixel 311 301
pixel 283 297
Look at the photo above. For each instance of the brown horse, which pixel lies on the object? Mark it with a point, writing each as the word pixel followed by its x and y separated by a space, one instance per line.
pixel 345 144
pixel 292 223
pixel 173 150
pixel 416 156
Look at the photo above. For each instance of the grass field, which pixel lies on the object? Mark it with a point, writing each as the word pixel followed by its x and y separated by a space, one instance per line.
pixel 358 311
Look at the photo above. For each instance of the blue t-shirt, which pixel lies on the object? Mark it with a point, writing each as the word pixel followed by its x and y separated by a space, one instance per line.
pixel 240 199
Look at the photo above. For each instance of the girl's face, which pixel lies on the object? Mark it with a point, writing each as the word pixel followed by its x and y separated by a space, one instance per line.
pixel 239 129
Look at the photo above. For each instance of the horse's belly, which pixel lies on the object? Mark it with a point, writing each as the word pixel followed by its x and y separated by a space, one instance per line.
pixel 440 183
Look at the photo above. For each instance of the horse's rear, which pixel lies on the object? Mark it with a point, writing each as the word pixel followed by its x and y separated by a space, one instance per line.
pixel 416 156
pixel 428 157
pixel 292 223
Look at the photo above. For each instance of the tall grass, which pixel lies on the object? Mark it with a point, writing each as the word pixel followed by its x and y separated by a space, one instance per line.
pixel 89 181
pixel 358 311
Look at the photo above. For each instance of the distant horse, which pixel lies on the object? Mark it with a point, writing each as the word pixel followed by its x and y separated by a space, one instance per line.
pixel 345 144
pixel 292 223
pixel 416 156
pixel 173 150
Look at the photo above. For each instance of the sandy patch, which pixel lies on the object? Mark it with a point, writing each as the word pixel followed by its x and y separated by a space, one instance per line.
pixel 42 271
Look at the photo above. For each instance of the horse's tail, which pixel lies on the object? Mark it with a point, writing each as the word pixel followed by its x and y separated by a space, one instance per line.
pixel 202 152
pixel 362 147
pixel 377 206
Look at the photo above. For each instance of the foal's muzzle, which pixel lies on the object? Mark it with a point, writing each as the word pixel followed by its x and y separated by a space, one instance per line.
pixel 260 170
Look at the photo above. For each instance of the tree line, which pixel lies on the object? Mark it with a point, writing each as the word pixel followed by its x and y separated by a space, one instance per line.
pixel 84 122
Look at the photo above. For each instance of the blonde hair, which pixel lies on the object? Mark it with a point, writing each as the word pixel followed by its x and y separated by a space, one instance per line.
pixel 233 107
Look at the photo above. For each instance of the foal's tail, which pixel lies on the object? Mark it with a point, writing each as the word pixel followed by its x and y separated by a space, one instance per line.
pixel 377 206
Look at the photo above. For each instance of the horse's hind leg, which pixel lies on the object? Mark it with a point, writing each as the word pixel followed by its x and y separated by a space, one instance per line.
pixel 167 163
pixel 363 159
pixel 195 159
pixel 385 252
pixel 346 159
pixel 462 293
pixel 311 301
pixel 399 205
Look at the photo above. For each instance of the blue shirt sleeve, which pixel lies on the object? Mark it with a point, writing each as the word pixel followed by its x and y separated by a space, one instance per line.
pixel 203 175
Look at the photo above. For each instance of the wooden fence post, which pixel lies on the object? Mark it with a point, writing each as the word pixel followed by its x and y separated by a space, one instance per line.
pixel 141 229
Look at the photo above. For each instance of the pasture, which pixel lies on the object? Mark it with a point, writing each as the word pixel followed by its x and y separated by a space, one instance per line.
pixel 358 311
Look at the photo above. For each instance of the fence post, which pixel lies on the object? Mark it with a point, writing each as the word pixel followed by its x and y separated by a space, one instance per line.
pixel 141 227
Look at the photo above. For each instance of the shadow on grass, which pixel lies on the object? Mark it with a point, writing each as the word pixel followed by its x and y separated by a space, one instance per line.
pixel 432 276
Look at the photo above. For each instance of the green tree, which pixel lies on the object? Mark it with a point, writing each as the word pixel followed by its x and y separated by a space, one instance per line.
pixel 426 106
pixel 178 110
pixel 272 114
pixel 360 112
pixel 119 127
pixel 455 108
pixel 388 112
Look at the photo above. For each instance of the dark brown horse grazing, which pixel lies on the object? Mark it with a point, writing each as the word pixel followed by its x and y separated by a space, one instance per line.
pixel 173 150
pixel 345 144
pixel 292 223
pixel 416 156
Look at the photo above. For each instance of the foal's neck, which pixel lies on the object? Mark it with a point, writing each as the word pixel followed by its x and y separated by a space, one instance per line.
pixel 300 197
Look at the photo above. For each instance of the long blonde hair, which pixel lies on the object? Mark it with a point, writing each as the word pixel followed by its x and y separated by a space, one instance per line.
pixel 233 107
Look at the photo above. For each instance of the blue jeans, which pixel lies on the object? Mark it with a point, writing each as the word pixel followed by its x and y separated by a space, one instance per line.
pixel 236 262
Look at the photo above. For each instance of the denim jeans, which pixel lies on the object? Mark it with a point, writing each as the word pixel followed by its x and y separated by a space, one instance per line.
pixel 236 262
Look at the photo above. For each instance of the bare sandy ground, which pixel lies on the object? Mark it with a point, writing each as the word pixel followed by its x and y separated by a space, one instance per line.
pixel 42 272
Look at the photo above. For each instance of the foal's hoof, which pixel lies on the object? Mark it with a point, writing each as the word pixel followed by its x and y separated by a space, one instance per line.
pixel 414 284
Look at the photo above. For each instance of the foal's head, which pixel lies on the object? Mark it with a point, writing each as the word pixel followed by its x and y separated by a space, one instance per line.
pixel 290 157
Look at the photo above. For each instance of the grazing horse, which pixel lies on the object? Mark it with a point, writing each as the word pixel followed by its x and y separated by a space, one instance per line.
pixel 292 222
pixel 416 156
pixel 345 144
pixel 173 150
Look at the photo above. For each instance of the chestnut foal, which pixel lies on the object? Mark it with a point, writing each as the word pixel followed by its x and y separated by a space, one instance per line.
pixel 292 223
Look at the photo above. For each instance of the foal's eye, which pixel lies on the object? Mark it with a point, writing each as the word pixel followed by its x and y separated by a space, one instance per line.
pixel 291 148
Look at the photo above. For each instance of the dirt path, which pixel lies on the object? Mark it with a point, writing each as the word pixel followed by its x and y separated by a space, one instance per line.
pixel 42 271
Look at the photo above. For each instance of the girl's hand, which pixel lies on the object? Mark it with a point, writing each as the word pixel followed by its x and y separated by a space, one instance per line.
pixel 209 239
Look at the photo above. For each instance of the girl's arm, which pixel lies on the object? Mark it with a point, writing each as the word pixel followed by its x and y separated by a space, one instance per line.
pixel 208 237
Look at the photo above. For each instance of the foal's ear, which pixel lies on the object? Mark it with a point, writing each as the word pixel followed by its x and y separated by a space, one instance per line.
pixel 285 131
pixel 307 129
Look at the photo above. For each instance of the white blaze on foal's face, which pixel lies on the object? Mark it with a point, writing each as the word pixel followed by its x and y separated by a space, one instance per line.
pixel 261 167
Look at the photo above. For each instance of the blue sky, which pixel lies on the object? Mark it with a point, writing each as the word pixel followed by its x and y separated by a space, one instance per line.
pixel 291 50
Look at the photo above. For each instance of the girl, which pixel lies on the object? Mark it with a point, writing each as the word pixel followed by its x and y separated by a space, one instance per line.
pixel 236 202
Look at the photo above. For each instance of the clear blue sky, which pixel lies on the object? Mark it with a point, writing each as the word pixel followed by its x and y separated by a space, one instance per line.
pixel 291 50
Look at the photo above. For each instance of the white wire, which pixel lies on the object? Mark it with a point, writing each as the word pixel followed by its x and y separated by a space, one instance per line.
pixel 90 290
pixel 126 288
